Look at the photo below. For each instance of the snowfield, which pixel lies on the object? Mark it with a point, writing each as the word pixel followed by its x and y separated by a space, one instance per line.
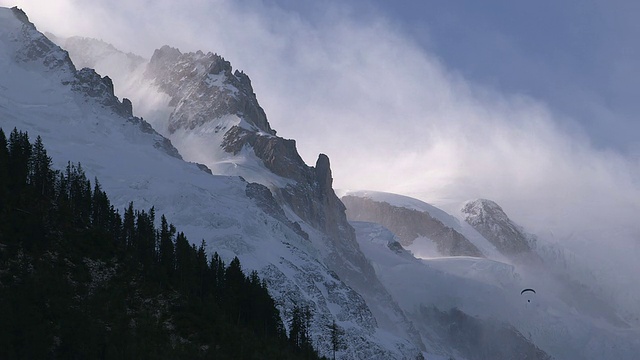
pixel 491 290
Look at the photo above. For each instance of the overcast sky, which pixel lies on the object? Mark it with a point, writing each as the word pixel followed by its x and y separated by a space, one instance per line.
pixel 530 104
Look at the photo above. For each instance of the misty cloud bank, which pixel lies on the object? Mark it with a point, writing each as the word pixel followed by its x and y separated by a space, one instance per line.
pixel 393 118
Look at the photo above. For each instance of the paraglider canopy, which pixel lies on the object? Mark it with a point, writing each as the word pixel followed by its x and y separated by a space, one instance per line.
pixel 527 290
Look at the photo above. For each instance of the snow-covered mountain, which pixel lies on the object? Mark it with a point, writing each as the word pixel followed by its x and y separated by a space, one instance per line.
pixel 80 120
pixel 201 150
pixel 213 117
pixel 453 300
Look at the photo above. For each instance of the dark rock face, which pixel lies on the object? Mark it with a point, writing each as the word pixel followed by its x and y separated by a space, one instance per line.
pixel 311 195
pixel 264 199
pixel 203 87
pixel 91 84
pixel 490 220
pixel 408 224
pixel 279 155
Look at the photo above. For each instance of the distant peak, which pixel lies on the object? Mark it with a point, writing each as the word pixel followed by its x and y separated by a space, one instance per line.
pixel 164 56
pixel 484 211
pixel 203 88
pixel 483 203
pixel 474 206
pixel 492 222
pixel 166 49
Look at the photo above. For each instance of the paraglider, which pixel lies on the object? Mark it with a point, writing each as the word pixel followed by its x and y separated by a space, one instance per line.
pixel 526 290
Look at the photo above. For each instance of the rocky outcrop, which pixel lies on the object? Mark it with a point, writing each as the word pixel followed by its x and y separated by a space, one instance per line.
pixel 203 87
pixel 265 201
pixel 490 220
pixel 278 155
pixel 409 224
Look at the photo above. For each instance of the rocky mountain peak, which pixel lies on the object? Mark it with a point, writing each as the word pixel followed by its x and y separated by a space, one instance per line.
pixel 480 210
pixel 164 57
pixel 488 218
pixel 204 88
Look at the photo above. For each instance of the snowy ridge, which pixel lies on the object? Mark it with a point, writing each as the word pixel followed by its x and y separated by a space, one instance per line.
pixel 426 239
pixel 405 202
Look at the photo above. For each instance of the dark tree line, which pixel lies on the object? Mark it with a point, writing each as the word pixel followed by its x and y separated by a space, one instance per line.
pixel 80 280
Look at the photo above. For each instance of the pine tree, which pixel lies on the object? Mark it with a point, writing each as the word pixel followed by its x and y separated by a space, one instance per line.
pixel 296 328
pixel 4 170
pixel 53 308
pixel 235 290
pixel 202 269
pixel 184 263
pixel 217 271
pixel 40 173
pixel 100 208
pixel 166 248
pixel 129 227
pixel 335 335
pixel 19 154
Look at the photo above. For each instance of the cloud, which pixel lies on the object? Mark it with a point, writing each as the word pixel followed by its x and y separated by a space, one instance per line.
pixel 391 116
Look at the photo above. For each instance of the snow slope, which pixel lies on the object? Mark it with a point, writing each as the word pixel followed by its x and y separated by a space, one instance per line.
pixel 489 291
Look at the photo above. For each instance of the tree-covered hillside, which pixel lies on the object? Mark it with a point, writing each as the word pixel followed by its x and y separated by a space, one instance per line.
pixel 80 280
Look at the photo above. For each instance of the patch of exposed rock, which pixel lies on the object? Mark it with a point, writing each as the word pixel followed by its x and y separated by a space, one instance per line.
pixel 265 201
pixel 409 224
pixel 490 220
pixel 203 87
